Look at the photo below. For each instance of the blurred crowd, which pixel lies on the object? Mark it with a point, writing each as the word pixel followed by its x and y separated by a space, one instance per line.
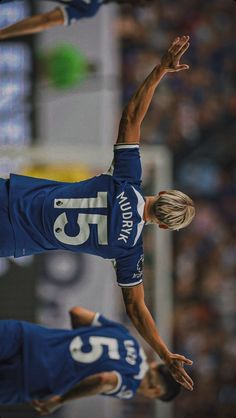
pixel 194 115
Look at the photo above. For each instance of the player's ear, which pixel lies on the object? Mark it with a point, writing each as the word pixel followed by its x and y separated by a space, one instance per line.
pixel 162 226
pixel 153 364
pixel 161 192
pixel 157 391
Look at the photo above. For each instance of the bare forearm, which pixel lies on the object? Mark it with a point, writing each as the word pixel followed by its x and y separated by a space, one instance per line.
pixel 138 105
pixel 92 385
pixel 88 387
pixel 142 319
pixel 34 24
pixel 144 323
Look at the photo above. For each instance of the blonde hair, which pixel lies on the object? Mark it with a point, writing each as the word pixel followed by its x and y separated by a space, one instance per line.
pixel 174 209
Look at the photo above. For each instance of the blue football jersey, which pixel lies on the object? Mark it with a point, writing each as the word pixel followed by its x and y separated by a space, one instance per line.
pixel 37 362
pixel 101 216
pixel 73 10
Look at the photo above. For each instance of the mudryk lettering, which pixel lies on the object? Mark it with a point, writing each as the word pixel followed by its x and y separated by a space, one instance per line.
pixel 127 215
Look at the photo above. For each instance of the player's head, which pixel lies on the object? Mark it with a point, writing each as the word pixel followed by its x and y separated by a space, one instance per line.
pixel 131 2
pixel 160 383
pixel 171 209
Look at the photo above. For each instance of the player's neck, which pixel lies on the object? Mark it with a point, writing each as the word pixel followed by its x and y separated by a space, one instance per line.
pixel 147 208
pixel 144 384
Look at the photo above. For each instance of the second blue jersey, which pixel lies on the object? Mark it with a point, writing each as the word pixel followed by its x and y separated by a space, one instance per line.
pixel 37 362
pixel 101 216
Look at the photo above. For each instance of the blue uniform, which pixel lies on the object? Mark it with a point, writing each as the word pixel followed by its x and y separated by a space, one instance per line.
pixel 74 10
pixel 101 216
pixel 37 362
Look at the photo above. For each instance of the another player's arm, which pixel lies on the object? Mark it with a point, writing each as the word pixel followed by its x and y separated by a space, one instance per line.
pixel 144 323
pixel 92 385
pixel 33 24
pixel 81 317
pixel 137 107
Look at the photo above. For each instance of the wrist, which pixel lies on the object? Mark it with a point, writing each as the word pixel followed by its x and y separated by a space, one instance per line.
pixel 164 354
pixel 161 69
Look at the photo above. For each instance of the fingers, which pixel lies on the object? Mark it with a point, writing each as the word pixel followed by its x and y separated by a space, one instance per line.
pixel 36 405
pixel 182 67
pixel 174 44
pixel 179 357
pixel 182 50
pixel 178 44
pixel 39 407
pixel 181 376
pixel 187 381
pixel 178 372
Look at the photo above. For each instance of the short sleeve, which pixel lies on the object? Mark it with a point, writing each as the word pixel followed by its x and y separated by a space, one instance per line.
pixel 79 9
pixel 126 163
pixel 129 269
pixel 101 321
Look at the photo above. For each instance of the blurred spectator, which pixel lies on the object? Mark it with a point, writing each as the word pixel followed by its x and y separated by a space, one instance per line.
pixel 194 115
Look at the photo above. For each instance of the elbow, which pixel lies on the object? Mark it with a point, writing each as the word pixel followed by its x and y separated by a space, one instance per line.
pixel 75 311
pixel 54 17
pixel 46 18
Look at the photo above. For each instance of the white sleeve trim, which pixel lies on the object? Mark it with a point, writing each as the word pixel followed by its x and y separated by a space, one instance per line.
pixel 130 284
pixel 65 15
pixel 118 386
pixel 95 322
pixel 123 146
pixel 143 368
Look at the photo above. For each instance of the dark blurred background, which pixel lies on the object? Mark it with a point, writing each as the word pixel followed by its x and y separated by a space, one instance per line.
pixel 194 115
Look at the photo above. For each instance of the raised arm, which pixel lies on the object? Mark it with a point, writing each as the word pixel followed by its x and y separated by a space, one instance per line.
pixel 145 325
pixel 92 385
pixel 33 24
pixel 137 107
pixel 81 317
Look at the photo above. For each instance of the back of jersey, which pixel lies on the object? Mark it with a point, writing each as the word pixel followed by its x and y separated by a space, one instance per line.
pixel 62 358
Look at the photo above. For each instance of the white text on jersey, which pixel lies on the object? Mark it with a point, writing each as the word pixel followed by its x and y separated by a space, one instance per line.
pixel 127 215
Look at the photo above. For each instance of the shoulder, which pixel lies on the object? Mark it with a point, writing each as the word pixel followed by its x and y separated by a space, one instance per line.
pixel 90 7
pixel 102 321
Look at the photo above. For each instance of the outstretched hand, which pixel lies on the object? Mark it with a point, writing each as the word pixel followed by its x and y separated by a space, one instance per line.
pixel 175 364
pixel 170 60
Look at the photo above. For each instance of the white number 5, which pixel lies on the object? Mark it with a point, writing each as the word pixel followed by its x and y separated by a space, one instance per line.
pixel 96 351
pixel 83 220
